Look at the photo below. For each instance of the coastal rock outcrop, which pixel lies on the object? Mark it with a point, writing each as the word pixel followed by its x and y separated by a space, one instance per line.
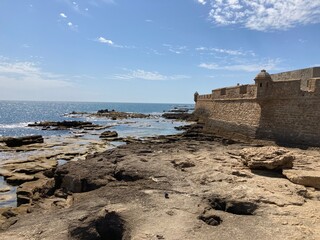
pixel 20 141
pixel 64 125
pixel 108 134
pixel 272 158
pixel 187 186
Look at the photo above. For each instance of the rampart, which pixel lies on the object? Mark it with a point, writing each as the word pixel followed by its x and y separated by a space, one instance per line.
pixel 283 107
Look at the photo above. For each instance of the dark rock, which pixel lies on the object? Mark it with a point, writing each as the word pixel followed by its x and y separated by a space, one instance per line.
pixel 183 128
pixel 179 116
pixel 26 140
pixel 109 134
pixel 64 125
pixel 114 115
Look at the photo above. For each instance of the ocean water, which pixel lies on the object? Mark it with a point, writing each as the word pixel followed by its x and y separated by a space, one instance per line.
pixel 15 116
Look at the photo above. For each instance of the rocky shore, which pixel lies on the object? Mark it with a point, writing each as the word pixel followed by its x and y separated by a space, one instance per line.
pixel 187 186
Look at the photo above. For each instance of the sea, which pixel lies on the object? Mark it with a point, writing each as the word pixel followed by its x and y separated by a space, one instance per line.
pixel 16 115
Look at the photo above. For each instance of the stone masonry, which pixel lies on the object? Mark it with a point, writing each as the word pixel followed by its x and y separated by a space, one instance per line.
pixel 283 107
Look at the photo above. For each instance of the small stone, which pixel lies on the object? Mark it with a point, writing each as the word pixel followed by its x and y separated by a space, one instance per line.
pixel 5 189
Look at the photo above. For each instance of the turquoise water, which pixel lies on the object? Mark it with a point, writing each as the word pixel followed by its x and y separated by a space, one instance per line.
pixel 15 115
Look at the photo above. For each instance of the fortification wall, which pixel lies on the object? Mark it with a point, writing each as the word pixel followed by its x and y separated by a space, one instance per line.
pixel 293 120
pixel 303 74
pixel 285 111
pixel 242 91
pixel 227 117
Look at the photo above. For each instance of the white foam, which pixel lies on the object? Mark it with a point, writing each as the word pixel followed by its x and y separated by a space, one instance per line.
pixel 14 125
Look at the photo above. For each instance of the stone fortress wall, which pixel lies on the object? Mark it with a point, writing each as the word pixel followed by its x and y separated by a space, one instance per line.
pixel 283 107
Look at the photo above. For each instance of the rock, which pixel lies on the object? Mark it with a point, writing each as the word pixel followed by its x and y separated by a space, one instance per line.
pixel 179 116
pixel 303 177
pixel 109 134
pixel 5 189
pixel 5 173
pixel 183 127
pixel 20 141
pixel 118 115
pixel 29 191
pixel 271 158
pixel 18 178
pixel 64 125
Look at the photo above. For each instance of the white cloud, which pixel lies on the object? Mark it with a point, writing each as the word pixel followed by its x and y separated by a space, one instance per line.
pixel 224 51
pixel 111 43
pixel 72 26
pixel 253 66
pixel 175 49
pixel 203 2
pixel 265 15
pixel 63 15
pixel 28 76
pixel 146 75
pixel 106 41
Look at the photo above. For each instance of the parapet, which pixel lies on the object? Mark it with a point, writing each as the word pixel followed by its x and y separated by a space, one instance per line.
pixel 301 74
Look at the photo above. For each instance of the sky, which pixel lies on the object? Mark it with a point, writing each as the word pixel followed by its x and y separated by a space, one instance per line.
pixel 153 51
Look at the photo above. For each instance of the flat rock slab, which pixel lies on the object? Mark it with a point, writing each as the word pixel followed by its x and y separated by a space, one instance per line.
pixel 17 178
pixel 304 177
pixel 5 189
pixel 270 157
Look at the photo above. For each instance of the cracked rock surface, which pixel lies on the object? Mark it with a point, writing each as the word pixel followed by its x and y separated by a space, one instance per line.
pixel 174 187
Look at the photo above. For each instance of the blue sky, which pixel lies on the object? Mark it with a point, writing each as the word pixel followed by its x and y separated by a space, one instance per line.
pixel 149 50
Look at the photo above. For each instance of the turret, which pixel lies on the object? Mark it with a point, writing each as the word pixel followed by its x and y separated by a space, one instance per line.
pixel 196 94
pixel 264 82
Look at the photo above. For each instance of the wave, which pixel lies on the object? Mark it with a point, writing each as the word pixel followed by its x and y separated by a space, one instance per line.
pixel 14 125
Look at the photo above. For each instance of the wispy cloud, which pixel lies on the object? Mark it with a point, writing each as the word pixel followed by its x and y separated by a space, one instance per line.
pixel 29 76
pixel 249 66
pixel 25 45
pixel 110 43
pixel 63 15
pixel 233 52
pixel 175 49
pixel 105 41
pixel 264 15
pixel 72 26
pixel 147 75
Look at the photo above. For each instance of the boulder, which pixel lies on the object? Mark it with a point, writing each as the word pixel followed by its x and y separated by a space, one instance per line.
pixel 306 178
pixel 26 140
pixel 109 134
pixel 270 158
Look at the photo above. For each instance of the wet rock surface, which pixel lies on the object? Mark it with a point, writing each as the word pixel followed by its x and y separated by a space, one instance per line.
pixel 110 114
pixel 64 125
pixel 188 186
pixel 20 141
pixel 109 134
